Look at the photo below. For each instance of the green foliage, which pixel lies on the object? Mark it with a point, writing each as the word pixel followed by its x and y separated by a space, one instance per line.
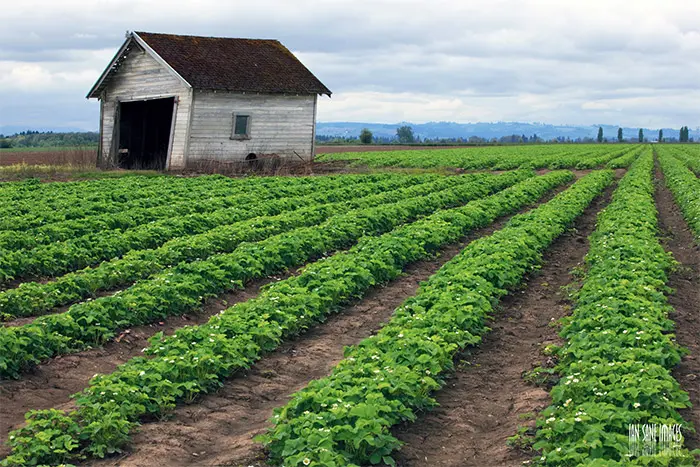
pixel 365 136
pixel 616 362
pixel 36 139
pixel 49 437
pixel 388 377
pixel 405 134
pixel 600 134
pixel 150 227
pixel 619 135
pixel 641 136
pixel 626 159
pixel 196 358
pixel 182 288
pixel 229 228
pixel 500 158
pixel 684 185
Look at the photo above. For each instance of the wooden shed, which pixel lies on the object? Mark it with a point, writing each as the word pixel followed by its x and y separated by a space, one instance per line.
pixel 168 101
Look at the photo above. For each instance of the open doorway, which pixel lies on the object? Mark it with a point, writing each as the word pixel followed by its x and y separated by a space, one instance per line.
pixel 144 133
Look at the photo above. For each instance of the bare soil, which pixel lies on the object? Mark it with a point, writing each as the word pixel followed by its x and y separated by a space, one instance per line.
pixel 678 239
pixel 486 399
pixel 219 429
pixel 52 383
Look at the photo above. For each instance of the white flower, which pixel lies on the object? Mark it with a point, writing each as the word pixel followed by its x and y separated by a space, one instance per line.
pixel 142 373
pixel 578 419
pixel 306 461
pixel 637 405
pixel 551 419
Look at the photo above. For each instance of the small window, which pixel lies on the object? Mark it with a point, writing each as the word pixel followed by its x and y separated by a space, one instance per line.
pixel 241 126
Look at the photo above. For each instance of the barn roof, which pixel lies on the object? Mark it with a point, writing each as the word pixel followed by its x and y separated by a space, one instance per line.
pixel 226 64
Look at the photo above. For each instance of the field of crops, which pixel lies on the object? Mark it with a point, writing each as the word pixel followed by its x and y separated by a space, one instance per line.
pixel 497 158
pixel 539 309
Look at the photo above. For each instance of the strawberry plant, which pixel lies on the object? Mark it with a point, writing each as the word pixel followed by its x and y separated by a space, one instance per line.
pixel 196 358
pixel 615 367
pixel 182 288
pixel 265 220
pixel 344 419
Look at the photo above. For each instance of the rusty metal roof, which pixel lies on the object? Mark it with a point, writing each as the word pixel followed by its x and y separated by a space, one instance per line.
pixel 228 64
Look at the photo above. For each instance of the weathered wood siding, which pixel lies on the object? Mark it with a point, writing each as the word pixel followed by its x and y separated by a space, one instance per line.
pixel 142 77
pixel 282 125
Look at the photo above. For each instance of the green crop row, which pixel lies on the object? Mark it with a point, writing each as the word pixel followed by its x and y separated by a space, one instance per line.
pixel 197 204
pixel 195 359
pixel 344 419
pixel 77 253
pixel 626 159
pixel 181 289
pixel 30 212
pixel 685 187
pixel 275 217
pixel 689 155
pixel 616 363
pixel 497 158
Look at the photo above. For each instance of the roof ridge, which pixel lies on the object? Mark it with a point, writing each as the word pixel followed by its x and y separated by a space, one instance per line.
pixel 206 37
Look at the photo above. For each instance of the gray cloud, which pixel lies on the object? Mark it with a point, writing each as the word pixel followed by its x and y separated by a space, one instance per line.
pixel 606 61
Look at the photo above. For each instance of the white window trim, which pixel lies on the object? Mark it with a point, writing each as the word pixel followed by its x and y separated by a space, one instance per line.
pixel 233 128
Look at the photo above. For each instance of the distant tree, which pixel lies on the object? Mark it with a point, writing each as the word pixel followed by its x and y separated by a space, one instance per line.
pixel 5 143
pixel 365 136
pixel 641 135
pixel 600 134
pixel 405 134
pixel 683 137
pixel 661 136
pixel 619 135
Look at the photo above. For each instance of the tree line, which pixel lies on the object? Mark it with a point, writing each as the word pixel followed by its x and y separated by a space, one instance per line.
pixel 405 135
pixel 683 136
pixel 37 139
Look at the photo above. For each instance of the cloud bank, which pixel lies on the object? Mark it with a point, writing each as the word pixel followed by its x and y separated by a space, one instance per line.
pixel 616 62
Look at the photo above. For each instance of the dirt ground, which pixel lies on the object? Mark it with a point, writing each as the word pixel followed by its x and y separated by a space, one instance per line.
pixel 678 239
pixel 486 399
pixel 219 429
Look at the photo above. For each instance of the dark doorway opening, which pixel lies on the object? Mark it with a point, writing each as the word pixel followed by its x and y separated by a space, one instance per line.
pixel 144 133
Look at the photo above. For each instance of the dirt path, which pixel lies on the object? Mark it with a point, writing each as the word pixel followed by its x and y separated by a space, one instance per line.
pixel 677 238
pixel 52 383
pixel 219 429
pixel 487 399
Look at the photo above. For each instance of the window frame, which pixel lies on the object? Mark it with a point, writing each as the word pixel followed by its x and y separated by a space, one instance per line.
pixel 247 129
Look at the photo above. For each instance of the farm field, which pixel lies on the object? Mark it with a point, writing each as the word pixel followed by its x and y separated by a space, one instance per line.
pixel 529 308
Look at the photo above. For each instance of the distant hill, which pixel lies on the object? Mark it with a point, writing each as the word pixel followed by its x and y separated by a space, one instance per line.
pixel 491 130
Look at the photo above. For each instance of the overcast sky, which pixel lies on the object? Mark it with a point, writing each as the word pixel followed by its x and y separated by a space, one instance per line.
pixel 619 62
